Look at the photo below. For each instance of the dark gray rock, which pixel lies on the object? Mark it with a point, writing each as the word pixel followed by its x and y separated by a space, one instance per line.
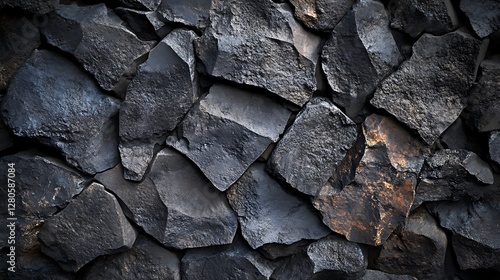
pixel 321 15
pixel 460 136
pixel 329 258
pixel 279 56
pixel 483 110
pixel 227 131
pixel 145 24
pixel 6 139
pixel 159 96
pixel 54 101
pixel 36 266
pixel 151 5
pixel 193 13
pixel 36 7
pixel 379 275
pixel 146 260
pixel 484 15
pixel 416 16
pixel 93 224
pixel 368 209
pixel 429 91
pixel 274 251
pixel 494 146
pixel 92 34
pixel 312 149
pixel 198 214
pixel 418 248
pixel 359 54
pixel 268 214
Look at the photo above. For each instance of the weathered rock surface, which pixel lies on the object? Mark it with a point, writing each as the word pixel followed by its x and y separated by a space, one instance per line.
pixel 268 214
pixel 145 24
pixel 36 7
pixel 144 261
pixel 383 186
pixel 359 54
pixel 159 96
pixel 494 146
pixel 97 38
pixel 484 15
pixel 151 5
pixel 36 266
pixel 93 224
pixel 416 16
pixel 274 251
pixel 193 13
pixel 312 149
pixel 483 109
pixel 321 15
pixel 379 275
pixel 440 72
pixel 279 56
pixel 459 136
pixel 54 101
pixel 227 131
pixel 418 248
pixel 329 258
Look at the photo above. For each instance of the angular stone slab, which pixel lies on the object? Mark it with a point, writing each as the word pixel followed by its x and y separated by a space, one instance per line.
pixel 279 56
pixel 227 131
pixel 145 24
pixel 416 16
pixel 93 224
pixel 321 15
pixel 417 249
pixel 159 96
pixel 430 90
pixel 194 13
pixel 268 214
pixel 150 5
pixel 57 103
pixel 92 34
pixel 371 207
pixel 314 146
pixel 484 15
pixel 359 54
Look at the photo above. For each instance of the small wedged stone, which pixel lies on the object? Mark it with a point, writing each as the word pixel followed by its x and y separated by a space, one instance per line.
pixel 360 52
pixel 484 15
pixel 416 16
pixel 368 209
pixel 430 90
pixel 321 15
pixel 92 224
pixel 279 56
pixel 268 214
pixel 274 251
pixel 93 34
pixel 227 131
pixel 145 24
pixel 418 248
pixel 313 147
pixel 194 13
pixel 57 103
pixel 162 92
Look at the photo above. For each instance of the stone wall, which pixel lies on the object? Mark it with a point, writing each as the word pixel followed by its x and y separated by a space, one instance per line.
pixel 237 139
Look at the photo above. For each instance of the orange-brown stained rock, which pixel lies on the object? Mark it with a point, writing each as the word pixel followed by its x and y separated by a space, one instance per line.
pixel 368 209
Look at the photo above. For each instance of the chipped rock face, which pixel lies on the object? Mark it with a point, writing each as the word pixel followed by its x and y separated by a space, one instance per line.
pixel 233 49
pixel 269 214
pixel 440 72
pixel 227 131
pixel 384 185
pixel 54 101
pixel 359 54
pixel 313 147
pixel 159 96
pixel 193 13
pixel 74 236
pixel 321 15
pixel 418 248
pixel 484 15
pixel 145 24
pixel 95 36
pixel 416 16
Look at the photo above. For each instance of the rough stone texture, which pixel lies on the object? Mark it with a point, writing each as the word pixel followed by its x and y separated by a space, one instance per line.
pixel 416 16
pixel 92 224
pixel 35 266
pixel 36 7
pixel 484 15
pixel 321 15
pixel 379 275
pixel 145 24
pixel 312 149
pixel 151 5
pixel 359 54
pixel 235 261
pixel 268 214
pixel 274 251
pixel 57 103
pixel 193 13
pixel 418 248
pixel 234 49
pixel 460 136
pixel 494 146
pixel 483 110
pixel 440 72
pixel 159 96
pixel 329 258
pixel 98 40
pixel 146 260
pixel 227 131
pixel 383 185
